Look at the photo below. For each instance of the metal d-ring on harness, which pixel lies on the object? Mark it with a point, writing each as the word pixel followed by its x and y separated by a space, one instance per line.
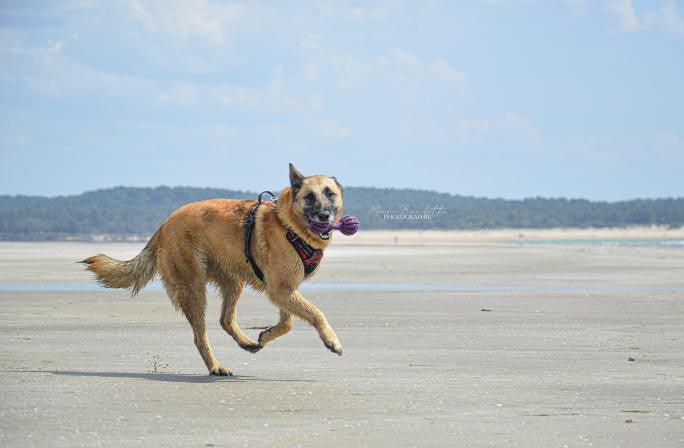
pixel 249 228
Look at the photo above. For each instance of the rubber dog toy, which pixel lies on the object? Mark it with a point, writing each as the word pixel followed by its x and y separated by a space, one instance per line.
pixel 348 225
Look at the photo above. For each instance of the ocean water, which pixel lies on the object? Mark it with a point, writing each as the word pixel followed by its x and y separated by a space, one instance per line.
pixel 371 287
pixel 675 243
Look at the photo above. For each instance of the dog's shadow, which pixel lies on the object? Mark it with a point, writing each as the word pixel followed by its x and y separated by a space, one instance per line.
pixel 165 377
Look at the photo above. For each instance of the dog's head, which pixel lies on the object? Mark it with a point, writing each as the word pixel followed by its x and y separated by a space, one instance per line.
pixel 316 198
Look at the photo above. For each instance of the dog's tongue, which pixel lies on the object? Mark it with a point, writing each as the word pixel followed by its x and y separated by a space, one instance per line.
pixel 348 225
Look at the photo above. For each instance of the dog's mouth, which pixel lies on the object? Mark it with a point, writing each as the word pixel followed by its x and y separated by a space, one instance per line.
pixel 322 229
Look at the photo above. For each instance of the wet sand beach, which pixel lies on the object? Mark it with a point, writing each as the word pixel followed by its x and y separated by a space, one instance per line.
pixel 507 338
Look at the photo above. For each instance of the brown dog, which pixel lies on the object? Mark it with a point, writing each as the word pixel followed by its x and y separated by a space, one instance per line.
pixel 205 242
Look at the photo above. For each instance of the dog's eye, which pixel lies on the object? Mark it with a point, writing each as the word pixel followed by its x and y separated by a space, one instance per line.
pixel 330 194
pixel 310 198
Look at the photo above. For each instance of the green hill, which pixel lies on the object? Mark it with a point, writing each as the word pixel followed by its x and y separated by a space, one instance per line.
pixel 125 211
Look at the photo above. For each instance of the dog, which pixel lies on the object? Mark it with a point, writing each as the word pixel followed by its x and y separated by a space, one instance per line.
pixel 214 240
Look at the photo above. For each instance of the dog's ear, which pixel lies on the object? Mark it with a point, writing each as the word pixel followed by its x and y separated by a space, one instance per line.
pixel 337 183
pixel 296 180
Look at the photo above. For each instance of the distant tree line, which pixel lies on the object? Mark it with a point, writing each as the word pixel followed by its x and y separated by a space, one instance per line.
pixel 124 211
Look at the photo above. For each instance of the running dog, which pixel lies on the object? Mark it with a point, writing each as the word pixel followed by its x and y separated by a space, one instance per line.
pixel 228 242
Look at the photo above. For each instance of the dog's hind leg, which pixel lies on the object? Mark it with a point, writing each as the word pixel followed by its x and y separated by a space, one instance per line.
pixel 195 315
pixel 230 291
pixel 185 280
pixel 194 309
pixel 277 330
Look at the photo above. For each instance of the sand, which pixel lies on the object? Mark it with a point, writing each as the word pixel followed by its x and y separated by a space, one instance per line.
pixel 517 345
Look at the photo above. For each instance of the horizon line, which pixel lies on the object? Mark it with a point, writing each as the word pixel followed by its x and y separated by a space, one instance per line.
pixel 424 190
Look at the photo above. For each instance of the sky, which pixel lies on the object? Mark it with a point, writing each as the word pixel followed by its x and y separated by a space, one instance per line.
pixel 497 98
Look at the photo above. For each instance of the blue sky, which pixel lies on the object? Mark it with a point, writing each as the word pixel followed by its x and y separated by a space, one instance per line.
pixel 499 98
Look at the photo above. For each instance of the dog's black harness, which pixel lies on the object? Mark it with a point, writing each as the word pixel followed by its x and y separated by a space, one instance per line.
pixel 310 256
pixel 249 228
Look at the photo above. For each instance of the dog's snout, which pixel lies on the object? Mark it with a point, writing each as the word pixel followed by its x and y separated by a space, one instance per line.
pixel 324 215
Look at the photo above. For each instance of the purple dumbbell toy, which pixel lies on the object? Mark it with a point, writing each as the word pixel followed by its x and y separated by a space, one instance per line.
pixel 348 225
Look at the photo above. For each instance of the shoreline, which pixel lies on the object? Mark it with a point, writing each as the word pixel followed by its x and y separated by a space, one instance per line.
pixel 510 235
pixel 436 236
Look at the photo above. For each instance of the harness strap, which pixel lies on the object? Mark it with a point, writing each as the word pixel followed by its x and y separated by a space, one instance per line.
pixel 249 229
pixel 311 257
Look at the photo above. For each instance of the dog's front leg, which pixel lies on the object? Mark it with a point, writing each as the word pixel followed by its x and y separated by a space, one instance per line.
pixel 277 330
pixel 293 302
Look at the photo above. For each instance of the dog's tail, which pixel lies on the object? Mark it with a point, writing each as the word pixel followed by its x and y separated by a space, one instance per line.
pixel 133 274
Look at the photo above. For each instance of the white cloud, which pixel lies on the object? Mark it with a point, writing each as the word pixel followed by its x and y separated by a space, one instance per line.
pixel 666 142
pixel 672 21
pixel 477 125
pixel 666 18
pixel 442 68
pixel 577 4
pixel 338 10
pixel 510 124
pixel 664 146
pixel 180 93
pixel 333 132
pixel 138 9
pixel 276 97
pixel 522 126
pixel 408 64
pixel 187 19
pixel 49 71
pixel 624 14
pixel 663 15
pixel 577 7
pixel 400 65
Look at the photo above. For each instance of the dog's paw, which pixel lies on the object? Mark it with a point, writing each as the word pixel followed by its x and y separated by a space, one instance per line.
pixel 334 346
pixel 252 348
pixel 264 337
pixel 261 338
pixel 220 371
